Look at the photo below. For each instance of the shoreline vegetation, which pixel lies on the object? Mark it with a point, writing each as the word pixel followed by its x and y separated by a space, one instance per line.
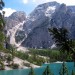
pixel 47 69
pixel 33 66
pixel 32 58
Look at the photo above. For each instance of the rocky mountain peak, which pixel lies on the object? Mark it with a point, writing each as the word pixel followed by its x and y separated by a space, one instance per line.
pixel 42 8
pixel 14 19
pixel 39 14
pixel 32 31
pixel 62 8
pixel 51 14
pixel 18 16
pixel 13 23
pixel 45 5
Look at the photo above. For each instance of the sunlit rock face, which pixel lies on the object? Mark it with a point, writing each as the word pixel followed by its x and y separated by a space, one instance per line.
pixel 14 23
pixel 36 26
pixel 46 16
pixel 32 31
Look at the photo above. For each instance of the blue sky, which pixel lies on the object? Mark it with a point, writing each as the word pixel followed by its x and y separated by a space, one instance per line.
pixel 28 5
pixel 19 5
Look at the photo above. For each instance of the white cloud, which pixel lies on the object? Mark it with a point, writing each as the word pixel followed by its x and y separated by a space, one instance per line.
pixel 40 1
pixel 34 1
pixel 8 11
pixel 25 1
pixel 37 2
pixel 67 2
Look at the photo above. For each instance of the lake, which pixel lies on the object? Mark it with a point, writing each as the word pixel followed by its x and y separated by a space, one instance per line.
pixel 55 67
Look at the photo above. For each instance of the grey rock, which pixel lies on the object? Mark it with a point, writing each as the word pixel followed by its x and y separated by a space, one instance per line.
pixel 34 32
pixel 39 36
pixel 14 19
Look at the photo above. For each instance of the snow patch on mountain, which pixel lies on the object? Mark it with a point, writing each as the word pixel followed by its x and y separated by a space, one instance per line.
pixel 50 10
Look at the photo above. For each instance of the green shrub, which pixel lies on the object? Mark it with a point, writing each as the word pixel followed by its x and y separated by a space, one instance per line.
pixel 15 66
pixel 26 64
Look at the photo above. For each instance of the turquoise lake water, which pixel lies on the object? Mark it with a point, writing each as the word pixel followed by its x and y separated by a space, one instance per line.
pixel 55 67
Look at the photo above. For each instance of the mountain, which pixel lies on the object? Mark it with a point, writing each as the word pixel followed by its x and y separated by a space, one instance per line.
pixel 53 15
pixel 15 19
pixel 14 23
pixel 36 26
pixel 64 17
pixel 32 31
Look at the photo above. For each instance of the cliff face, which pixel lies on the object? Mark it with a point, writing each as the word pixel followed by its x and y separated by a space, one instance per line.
pixel 36 26
pixel 57 16
pixel 13 24
pixel 32 31
pixel 14 19
pixel 64 17
pixel 39 37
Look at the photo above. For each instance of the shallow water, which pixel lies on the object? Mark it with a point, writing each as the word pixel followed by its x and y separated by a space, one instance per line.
pixel 55 67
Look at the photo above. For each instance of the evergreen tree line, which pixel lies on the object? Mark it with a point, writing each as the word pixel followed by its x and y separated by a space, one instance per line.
pixel 63 71
pixel 62 40
pixel 2 25
pixel 2 35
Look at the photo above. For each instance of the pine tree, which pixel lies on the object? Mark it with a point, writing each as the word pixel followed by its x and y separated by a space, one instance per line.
pixel 1 4
pixel 2 25
pixel 2 37
pixel 62 40
pixel 9 59
pixel 73 73
pixel 47 71
pixel 63 70
pixel 31 72
pixel 1 65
